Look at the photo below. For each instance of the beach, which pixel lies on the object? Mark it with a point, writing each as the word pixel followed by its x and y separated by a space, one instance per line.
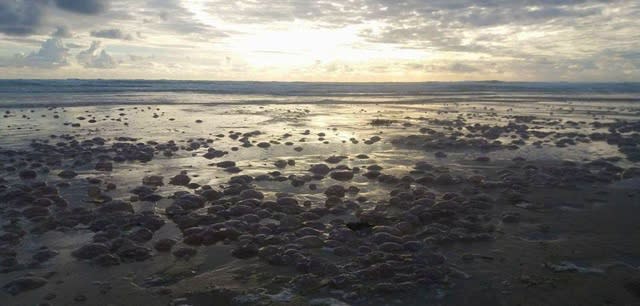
pixel 246 193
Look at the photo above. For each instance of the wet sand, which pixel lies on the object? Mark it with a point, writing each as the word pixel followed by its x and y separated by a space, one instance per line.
pixel 338 204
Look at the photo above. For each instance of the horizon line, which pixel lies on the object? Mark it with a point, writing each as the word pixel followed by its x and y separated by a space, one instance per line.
pixel 317 82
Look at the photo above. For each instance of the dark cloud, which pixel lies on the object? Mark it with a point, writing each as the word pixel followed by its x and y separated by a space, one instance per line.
pixel 25 17
pixel 174 17
pixel 20 17
pixel 443 25
pixel 112 34
pixel 88 7
pixel 495 16
pixel 447 12
pixel 328 13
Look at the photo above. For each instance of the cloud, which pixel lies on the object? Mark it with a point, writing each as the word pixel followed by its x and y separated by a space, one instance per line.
pixel 25 17
pixel 73 46
pixel 341 13
pixel 62 32
pixel 173 16
pixel 452 67
pixel 96 57
pixel 445 24
pixel 21 17
pixel 21 40
pixel 87 7
pixel 461 39
pixel 328 13
pixel 112 34
pixel 52 54
pixel 462 68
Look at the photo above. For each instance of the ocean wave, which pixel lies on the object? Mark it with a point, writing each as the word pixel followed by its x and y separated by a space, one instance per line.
pixel 38 93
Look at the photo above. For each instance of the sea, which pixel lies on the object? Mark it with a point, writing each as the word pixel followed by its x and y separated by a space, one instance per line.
pixel 75 92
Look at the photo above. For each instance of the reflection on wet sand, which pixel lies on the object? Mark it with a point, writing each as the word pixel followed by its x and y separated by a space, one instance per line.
pixel 444 203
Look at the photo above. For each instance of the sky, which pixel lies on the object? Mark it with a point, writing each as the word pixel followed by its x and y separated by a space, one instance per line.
pixel 326 40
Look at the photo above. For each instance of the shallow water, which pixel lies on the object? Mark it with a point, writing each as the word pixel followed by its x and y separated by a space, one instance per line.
pixel 566 220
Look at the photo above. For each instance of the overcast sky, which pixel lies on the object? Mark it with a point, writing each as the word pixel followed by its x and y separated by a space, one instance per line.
pixel 330 40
